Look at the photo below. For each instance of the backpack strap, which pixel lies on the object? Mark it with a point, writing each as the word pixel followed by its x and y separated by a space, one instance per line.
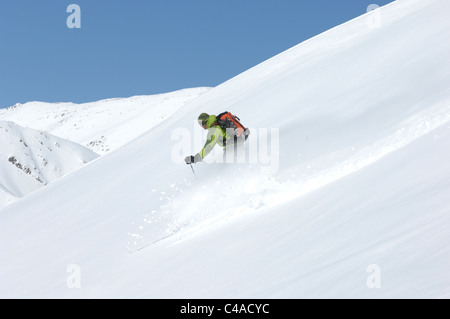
pixel 222 114
pixel 218 118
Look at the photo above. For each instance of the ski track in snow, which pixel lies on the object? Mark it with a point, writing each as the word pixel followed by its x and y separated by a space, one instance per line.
pixel 177 220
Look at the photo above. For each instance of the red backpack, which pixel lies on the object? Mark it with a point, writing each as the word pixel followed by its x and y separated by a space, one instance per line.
pixel 228 121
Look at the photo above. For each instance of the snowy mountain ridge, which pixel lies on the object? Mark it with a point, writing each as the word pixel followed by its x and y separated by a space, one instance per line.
pixel 30 159
pixel 104 125
pixel 101 126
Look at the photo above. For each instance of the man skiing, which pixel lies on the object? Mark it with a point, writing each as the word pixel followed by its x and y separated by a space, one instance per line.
pixel 224 129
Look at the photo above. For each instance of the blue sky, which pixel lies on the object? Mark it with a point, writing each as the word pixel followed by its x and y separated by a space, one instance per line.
pixel 141 47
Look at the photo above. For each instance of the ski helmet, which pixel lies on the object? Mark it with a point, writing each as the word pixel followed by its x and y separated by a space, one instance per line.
pixel 203 119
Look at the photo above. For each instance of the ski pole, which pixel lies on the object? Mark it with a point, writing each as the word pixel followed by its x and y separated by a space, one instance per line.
pixel 193 170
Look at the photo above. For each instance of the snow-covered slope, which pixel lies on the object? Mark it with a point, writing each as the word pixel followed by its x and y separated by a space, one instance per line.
pixel 30 159
pixel 6 197
pixel 104 125
pixel 358 188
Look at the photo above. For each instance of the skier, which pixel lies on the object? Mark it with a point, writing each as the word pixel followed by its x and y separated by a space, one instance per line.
pixel 224 129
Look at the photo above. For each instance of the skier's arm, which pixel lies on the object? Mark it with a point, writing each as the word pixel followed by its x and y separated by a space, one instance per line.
pixel 211 141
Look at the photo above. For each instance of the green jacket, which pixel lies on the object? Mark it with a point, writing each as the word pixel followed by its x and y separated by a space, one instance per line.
pixel 216 135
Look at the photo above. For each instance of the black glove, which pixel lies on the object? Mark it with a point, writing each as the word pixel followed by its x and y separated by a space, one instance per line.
pixel 193 159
